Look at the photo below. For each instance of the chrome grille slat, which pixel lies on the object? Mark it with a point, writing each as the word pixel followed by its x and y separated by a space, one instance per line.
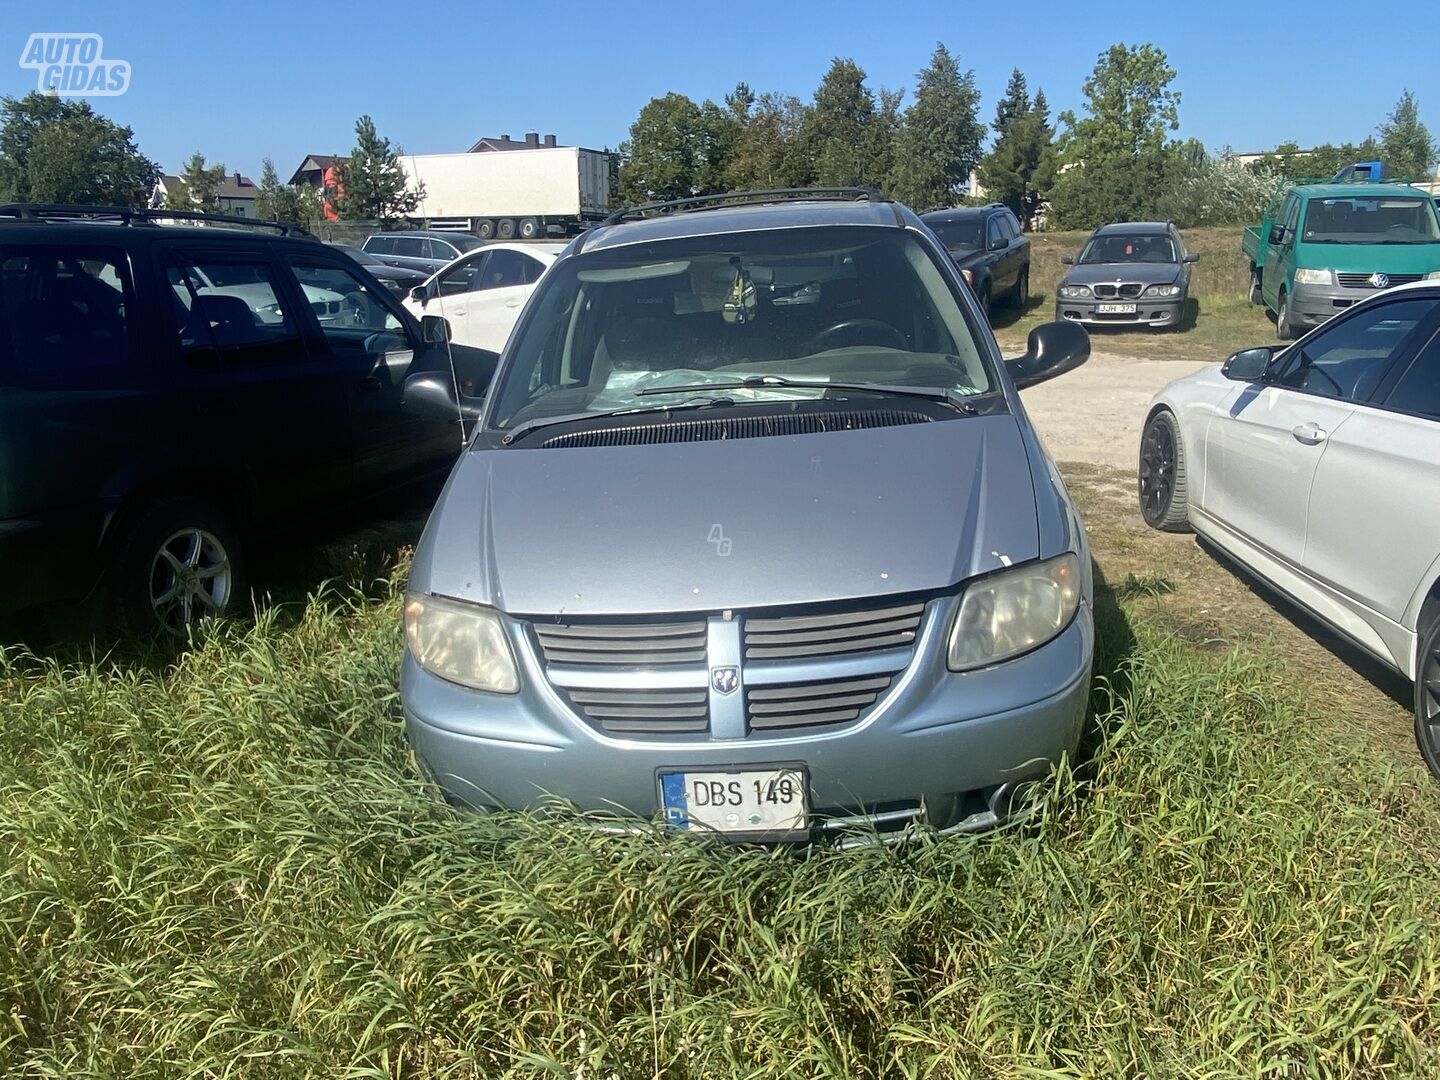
pixel 1362 281
pixel 831 634
pixel 794 691
pixel 828 648
pixel 839 634
pixel 806 622
pixel 640 697
pixel 610 633
pixel 810 703
pixel 832 701
pixel 567 656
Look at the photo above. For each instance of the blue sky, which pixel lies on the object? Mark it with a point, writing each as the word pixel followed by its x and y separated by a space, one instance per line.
pixel 286 79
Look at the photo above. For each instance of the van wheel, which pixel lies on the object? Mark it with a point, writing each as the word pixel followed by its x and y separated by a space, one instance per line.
pixel 1283 330
pixel 485 228
pixel 1163 502
pixel 506 229
pixel 1427 693
pixel 529 228
pixel 178 563
pixel 1255 297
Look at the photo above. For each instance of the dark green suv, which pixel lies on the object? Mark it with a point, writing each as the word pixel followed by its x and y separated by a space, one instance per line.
pixel 168 393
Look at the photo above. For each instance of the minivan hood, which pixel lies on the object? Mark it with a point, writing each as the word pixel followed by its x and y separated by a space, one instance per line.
pixel 739 523
pixel 1144 273
pixel 1368 258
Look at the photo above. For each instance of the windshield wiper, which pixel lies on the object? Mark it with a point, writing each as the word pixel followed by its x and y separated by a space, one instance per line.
pixel 521 430
pixel 760 382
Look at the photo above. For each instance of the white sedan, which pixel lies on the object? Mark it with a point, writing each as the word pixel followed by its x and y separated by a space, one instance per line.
pixel 482 292
pixel 1317 467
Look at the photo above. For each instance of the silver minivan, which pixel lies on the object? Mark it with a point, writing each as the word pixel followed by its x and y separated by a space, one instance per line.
pixel 753 537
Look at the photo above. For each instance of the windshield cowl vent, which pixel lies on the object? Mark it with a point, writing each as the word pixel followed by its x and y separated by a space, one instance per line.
pixel 737 427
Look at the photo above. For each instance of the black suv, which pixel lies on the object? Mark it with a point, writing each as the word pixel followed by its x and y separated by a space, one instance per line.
pixel 987 244
pixel 166 392
pixel 424 250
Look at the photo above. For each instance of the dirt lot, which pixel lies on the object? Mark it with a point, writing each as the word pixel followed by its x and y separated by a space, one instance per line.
pixel 1090 421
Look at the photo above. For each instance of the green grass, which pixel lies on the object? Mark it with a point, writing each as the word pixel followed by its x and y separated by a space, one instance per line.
pixel 231 867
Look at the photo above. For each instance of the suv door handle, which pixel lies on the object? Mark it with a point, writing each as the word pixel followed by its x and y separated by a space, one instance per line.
pixel 1309 433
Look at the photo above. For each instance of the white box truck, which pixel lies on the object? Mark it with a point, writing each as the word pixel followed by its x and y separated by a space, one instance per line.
pixel 529 193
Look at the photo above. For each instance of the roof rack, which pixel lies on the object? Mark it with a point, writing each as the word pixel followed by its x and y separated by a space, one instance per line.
pixel 129 215
pixel 745 198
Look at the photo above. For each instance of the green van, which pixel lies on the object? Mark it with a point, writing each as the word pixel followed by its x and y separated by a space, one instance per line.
pixel 1323 247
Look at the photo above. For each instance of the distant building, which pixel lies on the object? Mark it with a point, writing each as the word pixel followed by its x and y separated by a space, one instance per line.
pixel 235 192
pixel 532 141
pixel 312 170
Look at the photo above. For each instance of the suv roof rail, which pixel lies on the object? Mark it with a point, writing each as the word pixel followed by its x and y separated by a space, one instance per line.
pixel 746 198
pixel 129 215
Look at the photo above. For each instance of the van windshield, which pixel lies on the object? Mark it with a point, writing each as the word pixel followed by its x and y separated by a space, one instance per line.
pixel 838 303
pixel 1371 219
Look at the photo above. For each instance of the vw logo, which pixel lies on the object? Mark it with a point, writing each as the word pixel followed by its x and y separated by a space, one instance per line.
pixel 1379 280
pixel 725 680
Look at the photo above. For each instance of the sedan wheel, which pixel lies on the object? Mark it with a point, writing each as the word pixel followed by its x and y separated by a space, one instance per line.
pixel 1427 696
pixel 1161 474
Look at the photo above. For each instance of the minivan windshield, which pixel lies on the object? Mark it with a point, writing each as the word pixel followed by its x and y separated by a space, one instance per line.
pixel 851 304
pixel 1371 219
pixel 1129 248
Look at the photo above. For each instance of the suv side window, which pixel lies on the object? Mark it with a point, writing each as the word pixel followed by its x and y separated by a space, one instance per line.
pixel 1010 224
pixel 408 246
pixel 438 249
pixel 992 231
pixel 231 304
pixel 1418 390
pixel 378 245
pixel 502 270
pixel 1349 359
pixel 348 311
pixel 63 310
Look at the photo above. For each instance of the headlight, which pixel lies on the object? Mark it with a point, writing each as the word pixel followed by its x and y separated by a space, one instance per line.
pixel 461 643
pixel 1163 290
pixel 1314 277
pixel 1014 611
pixel 1075 292
pixel 1434 275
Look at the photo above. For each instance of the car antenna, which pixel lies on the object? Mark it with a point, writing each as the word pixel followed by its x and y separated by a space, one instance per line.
pixel 449 354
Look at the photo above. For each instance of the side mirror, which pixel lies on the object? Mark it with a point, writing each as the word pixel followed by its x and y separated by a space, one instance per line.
pixel 385 341
pixel 1192 256
pixel 1277 234
pixel 998 243
pixel 1067 260
pixel 420 293
pixel 1053 349
pixel 1248 365
pixel 434 329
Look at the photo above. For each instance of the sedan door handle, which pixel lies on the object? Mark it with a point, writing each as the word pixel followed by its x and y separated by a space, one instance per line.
pixel 1309 433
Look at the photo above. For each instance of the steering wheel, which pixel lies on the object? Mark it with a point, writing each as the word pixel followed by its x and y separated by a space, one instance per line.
pixel 869 331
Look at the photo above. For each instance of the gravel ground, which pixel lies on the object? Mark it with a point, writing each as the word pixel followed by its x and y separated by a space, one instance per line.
pixel 1094 413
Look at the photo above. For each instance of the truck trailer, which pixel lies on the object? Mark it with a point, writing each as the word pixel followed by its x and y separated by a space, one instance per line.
pixel 529 193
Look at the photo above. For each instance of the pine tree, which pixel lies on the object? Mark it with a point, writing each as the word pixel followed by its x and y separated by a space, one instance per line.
pixel 939 140
pixel 1408 148
pixel 373 184
pixel 1020 167
pixel 294 204
pixel 1016 102
pixel 196 191
pixel 838 132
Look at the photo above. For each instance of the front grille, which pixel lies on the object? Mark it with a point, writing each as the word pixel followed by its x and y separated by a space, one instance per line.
pixel 646 711
pixel 1362 281
pixel 809 636
pixel 1129 291
pixel 737 427
pixel 623 645
pixel 807 704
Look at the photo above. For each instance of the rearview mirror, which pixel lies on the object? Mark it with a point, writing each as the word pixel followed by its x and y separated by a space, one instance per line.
pixel 1248 365
pixel 1068 260
pixel 434 329
pixel 1277 234
pixel 1052 349
pixel 998 243
pixel 1192 256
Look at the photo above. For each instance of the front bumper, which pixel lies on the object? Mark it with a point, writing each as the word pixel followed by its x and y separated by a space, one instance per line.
pixel 936 748
pixel 1311 305
pixel 1154 313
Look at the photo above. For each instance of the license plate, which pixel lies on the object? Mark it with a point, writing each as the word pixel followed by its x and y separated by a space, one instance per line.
pixel 1114 309
pixel 770 804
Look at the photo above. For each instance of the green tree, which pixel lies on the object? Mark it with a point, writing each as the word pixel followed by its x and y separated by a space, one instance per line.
pixel 1020 168
pixel 1115 159
pixel 62 151
pixel 838 130
pixel 374 185
pixel 1016 102
pixel 768 151
pixel 666 153
pixel 294 204
pixel 1407 147
pixel 196 190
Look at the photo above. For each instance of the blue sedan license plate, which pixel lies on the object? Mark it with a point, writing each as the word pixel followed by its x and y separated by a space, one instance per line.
pixel 769 804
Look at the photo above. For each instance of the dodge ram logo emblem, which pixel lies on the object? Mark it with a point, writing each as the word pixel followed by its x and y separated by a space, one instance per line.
pixel 725 680
pixel 1380 281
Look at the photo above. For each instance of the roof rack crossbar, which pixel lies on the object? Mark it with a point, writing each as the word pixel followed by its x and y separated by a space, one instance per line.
pixel 742 198
pixel 128 215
